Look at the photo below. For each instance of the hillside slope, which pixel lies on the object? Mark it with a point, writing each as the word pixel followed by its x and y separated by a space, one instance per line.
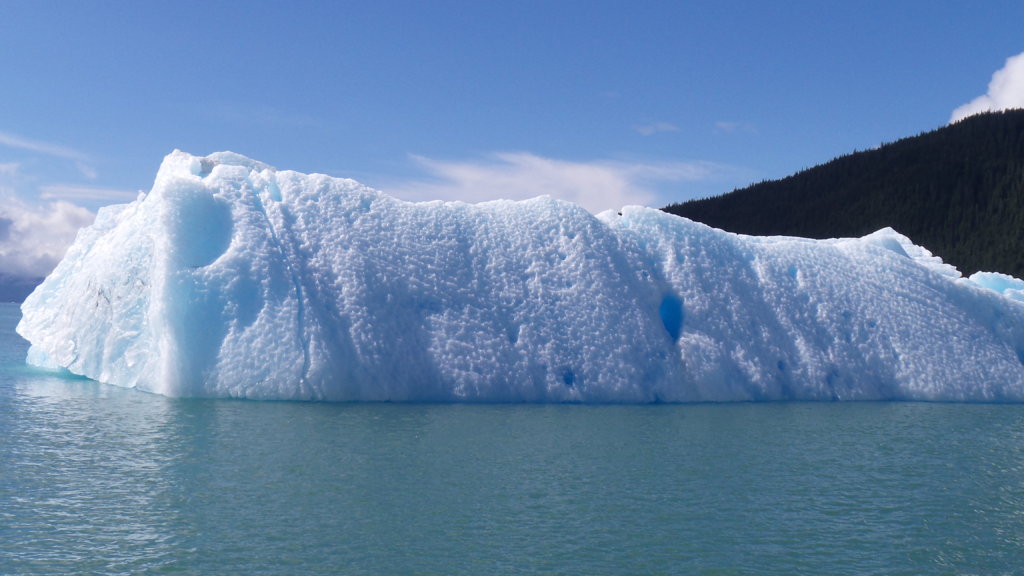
pixel 958 190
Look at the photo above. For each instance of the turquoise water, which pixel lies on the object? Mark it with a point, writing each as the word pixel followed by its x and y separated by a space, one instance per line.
pixel 95 479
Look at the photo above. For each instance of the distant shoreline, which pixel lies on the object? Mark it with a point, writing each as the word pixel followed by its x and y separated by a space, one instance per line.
pixel 15 289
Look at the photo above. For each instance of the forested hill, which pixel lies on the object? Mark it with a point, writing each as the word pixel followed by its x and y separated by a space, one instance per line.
pixel 958 191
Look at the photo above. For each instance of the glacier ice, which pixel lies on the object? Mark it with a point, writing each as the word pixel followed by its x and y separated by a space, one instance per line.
pixel 233 279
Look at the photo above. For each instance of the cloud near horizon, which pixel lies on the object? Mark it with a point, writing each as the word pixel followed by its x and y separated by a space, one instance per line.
pixel 39 218
pixel 1005 91
pixel 33 239
pixel 596 185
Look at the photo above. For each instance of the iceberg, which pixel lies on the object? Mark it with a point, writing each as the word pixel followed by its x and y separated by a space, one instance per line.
pixel 233 279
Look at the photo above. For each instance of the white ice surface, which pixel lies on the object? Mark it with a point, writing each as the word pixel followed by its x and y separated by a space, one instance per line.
pixel 232 279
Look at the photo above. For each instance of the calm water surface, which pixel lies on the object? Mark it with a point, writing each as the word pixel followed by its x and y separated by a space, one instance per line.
pixel 95 479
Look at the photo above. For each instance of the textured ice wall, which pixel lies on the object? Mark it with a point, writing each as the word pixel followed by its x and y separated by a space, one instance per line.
pixel 233 279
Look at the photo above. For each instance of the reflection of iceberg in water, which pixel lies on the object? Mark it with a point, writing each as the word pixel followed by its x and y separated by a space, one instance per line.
pixel 232 279
pixel 88 471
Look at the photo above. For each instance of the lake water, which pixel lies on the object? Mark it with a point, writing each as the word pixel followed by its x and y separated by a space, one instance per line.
pixel 100 480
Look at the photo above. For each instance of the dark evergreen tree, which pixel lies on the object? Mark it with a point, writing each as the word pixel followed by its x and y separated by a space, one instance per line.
pixel 958 191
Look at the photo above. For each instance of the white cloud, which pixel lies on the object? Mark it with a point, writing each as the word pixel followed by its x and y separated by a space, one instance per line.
pixel 49 149
pixel 597 185
pixel 654 128
pixel 88 193
pixel 725 127
pixel 1005 90
pixel 40 147
pixel 249 114
pixel 34 238
pixel 85 170
pixel 34 235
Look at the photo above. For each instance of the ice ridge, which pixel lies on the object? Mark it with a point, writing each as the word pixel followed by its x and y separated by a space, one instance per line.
pixel 233 279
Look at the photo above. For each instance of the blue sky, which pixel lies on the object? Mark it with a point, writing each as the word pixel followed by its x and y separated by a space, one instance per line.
pixel 604 103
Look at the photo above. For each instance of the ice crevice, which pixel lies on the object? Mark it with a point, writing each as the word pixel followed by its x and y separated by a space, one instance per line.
pixel 233 279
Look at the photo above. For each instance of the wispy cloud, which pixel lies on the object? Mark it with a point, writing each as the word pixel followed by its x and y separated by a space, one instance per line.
pixel 86 193
pixel 656 127
pixel 1005 90
pixel 244 113
pixel 728 127
pixel 597 185
pixel 79 158
pixel 41 147
pixel 85 170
